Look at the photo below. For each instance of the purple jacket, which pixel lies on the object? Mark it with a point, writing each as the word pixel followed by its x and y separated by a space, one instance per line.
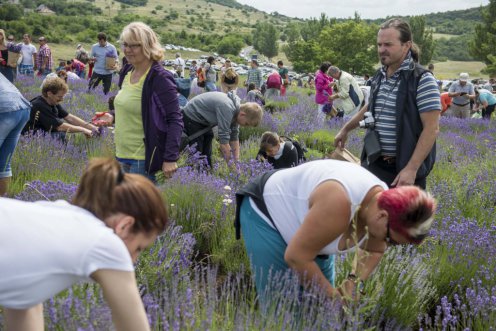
pixel 161 116
pixel 322 89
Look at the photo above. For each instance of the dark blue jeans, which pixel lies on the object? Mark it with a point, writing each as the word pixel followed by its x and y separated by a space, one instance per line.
pixel 97 78
pixel 8 72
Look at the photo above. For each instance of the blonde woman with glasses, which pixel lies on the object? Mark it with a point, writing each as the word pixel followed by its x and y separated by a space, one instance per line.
pixel 148 121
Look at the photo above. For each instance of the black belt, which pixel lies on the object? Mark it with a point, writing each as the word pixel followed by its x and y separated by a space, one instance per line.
pixel 460 105
pixel 387 159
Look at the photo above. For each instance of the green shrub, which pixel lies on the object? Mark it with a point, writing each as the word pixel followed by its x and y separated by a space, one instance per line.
pixel 321 140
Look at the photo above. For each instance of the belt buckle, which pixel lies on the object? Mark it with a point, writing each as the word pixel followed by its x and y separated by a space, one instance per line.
pixel 389 159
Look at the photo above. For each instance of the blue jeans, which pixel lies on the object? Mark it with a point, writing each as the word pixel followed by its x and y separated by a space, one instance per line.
pixel 131 166
pixel 210 87
pixel 11 124
pixel 266 247
pixel 44 72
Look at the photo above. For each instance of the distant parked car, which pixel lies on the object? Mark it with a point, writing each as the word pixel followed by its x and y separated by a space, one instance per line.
pixel 241 71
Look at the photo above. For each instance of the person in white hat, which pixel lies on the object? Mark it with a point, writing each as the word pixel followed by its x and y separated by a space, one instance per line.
pixel 462 91
pixel 179 65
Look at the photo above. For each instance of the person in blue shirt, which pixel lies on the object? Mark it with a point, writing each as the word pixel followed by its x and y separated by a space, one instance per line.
pixel 487 101
pixel 101 54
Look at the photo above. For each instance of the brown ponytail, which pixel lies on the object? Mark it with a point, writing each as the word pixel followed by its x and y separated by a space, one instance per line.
pixel 105 190
pixel 269 139
pixel 415 51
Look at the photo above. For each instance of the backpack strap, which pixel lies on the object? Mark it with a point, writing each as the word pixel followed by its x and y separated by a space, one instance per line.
pixel 201 132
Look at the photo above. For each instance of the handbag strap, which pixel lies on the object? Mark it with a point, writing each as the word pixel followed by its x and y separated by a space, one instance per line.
pixel 201 132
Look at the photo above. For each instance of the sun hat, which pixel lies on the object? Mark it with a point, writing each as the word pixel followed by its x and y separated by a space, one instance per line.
pixel 464 77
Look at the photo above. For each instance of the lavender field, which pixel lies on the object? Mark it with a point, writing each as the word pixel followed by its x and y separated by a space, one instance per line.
pixel 196 276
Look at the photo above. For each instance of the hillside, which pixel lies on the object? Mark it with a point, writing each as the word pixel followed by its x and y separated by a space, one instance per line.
pixel 453 22
pixel 196 16
pixel 201 24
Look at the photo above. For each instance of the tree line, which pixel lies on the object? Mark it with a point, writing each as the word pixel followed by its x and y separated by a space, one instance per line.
pixel 350 44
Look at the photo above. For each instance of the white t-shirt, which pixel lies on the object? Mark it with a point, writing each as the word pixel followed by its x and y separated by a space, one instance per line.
pixel 27 52
pixel 287 192
pixel 179 65
pixel 45 247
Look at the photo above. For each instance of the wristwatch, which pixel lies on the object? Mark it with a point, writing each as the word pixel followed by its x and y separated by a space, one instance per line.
pixel 360 285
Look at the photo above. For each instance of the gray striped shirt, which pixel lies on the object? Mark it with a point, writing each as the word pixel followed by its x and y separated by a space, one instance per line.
pixel 428 99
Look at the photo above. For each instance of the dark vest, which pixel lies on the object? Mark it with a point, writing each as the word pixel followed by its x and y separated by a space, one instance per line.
pixel 408 123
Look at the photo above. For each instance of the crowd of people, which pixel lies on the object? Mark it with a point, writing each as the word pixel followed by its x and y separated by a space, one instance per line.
pixel 297 216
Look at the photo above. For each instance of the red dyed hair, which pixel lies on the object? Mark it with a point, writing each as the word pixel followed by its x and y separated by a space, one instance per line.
pixel 411 211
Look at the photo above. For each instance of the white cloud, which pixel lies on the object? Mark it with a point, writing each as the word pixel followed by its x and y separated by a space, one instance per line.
pixel 366 9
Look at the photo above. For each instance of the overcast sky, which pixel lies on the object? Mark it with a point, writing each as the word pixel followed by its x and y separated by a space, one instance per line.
pixel 366 8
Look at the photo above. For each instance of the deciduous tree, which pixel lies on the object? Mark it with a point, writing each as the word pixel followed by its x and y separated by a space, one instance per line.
pixel 350 45
pixel 484 41
pixel 304 55
pixel 265 39
pixel 422 36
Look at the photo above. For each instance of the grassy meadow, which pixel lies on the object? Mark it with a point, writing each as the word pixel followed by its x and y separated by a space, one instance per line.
pixel 224 18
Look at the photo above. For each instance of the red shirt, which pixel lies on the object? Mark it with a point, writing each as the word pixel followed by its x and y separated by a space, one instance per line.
pixel 445 101
pixel 78 65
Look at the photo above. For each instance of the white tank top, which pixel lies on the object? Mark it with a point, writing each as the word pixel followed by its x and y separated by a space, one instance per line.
pixel 45 247
pixel 287 193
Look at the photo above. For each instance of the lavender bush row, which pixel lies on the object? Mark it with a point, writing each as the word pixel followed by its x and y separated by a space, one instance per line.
pixel 446 283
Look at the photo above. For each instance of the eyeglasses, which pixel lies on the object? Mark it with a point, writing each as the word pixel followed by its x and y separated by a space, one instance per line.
pixel 130 46
pixel 389 241
pixel 41 40
pixel 10 39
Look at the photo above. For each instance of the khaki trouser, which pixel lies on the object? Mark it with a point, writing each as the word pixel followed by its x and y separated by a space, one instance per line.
pixel 460 111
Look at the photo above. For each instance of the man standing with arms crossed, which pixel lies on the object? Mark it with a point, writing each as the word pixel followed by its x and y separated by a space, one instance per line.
pixel 404 107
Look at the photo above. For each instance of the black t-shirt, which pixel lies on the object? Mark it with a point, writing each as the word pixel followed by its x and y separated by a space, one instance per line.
pixel 44 116
pixel 288 159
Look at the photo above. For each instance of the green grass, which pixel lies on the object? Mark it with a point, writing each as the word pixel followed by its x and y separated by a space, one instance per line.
pixel 218 14
pixel 452 69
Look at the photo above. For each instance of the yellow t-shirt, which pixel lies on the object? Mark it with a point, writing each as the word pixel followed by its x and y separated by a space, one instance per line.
pixel 129 134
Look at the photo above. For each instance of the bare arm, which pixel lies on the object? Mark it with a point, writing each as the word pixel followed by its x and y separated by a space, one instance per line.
pixel 324 223
pixel 430 122
pixel 74 120
pixel 121 293
pixel 30 319
pixel 235 149
pixel 226 151
pixel 342 136
pixel 72 125
pixel 366 260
